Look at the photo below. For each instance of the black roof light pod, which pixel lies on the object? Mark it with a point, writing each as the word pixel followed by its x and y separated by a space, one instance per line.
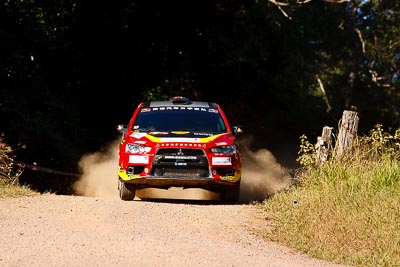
pixel 180 100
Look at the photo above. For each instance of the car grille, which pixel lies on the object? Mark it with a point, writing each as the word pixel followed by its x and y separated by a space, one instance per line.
pixel 180 163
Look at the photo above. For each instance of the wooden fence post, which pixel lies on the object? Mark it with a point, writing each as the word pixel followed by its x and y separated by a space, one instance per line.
pixel 347 132
pixel 323 146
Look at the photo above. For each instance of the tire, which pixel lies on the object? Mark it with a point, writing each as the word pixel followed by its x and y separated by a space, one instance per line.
pixel 231 194
pixel 126 191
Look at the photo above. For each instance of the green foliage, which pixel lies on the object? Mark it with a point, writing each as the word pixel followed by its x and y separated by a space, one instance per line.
pixel 156 94
pixel 383 143
pixel 307 153
pixel 38 105
pixel 353 49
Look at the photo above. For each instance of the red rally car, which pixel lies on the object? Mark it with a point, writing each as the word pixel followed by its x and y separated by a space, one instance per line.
pixel 179 143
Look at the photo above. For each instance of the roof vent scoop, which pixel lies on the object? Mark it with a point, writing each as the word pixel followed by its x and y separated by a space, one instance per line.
pixel 180 100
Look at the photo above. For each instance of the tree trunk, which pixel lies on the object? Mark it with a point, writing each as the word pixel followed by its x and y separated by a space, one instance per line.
pixel 323 146
pixel 347 132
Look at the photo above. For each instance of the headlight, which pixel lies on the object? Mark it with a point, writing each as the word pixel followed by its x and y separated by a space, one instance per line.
pixel 134 148
pixel 224 149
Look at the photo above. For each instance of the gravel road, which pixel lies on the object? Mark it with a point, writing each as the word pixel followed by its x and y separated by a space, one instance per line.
pixel 57 230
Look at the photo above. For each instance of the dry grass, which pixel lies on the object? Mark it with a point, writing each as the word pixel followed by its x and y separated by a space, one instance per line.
pixel 8 190
pixel 345 211
pixel 9 174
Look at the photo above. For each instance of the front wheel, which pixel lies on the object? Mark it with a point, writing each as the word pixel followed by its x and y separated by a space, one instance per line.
pixel 231 194
pixel 126 191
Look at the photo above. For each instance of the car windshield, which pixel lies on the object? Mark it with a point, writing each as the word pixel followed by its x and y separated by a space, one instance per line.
pixel 167 120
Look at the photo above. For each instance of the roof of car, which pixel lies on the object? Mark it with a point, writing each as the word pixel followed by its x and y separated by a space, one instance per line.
pixel 171 104
pixel 180 102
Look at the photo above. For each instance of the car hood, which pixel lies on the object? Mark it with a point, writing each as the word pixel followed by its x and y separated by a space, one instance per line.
pixel 182 137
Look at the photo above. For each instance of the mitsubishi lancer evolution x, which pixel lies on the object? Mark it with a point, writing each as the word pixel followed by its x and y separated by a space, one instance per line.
pixel 179 143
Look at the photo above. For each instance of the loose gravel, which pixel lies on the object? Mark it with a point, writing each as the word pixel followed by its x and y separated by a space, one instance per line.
pixel 57 230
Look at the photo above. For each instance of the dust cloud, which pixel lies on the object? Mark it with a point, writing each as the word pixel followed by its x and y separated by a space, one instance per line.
pixel 262 175
pixel 99 179
pixel 99 173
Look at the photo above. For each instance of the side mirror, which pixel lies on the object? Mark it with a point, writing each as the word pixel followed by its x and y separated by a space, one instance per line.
pixel 237 130
pixel 122 128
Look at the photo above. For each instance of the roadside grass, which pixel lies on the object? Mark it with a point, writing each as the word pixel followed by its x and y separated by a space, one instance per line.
pixel 346 210
pixel 9 173
pixel 9 190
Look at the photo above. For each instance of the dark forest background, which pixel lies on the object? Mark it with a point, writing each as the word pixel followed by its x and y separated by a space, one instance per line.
pixel 71 70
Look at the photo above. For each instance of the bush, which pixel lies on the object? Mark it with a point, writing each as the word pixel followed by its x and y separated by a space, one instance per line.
pixel 9 171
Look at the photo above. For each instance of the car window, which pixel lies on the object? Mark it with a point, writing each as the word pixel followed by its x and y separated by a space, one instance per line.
pixel 201 120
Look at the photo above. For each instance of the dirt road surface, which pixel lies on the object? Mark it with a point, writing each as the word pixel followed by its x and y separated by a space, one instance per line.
pixel 56 230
